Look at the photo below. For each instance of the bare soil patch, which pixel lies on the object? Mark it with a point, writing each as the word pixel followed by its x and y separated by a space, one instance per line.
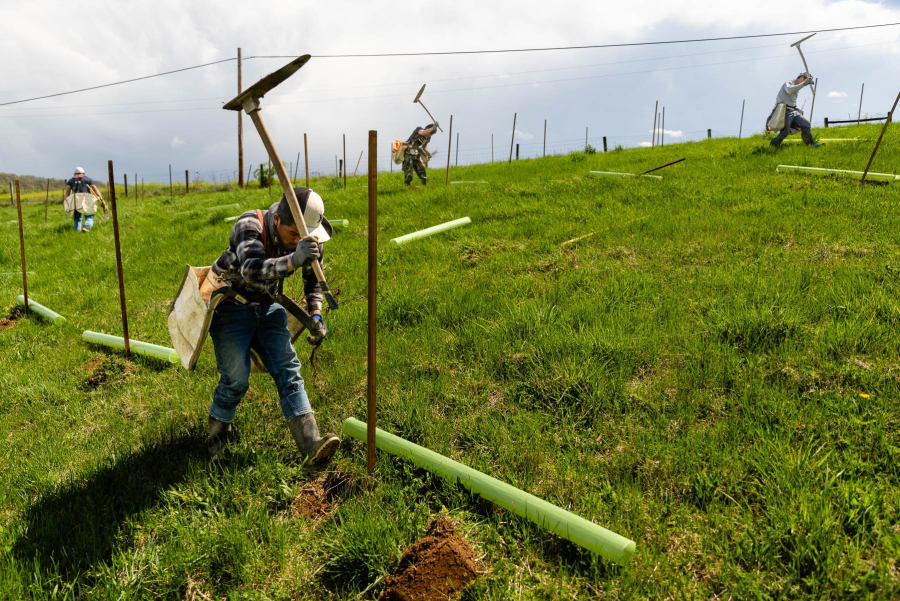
pixel 436 567
pixel 6 323
pixel 108 371
pixel 316 500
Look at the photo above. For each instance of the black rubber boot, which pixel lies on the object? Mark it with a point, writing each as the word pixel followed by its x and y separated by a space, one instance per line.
pixel 306 434
pixel 219 435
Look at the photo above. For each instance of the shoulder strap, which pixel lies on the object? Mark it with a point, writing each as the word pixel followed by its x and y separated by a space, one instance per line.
pixel 262 223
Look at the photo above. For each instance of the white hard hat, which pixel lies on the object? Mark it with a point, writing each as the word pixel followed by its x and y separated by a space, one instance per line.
pixel 79 170
pixel 313 215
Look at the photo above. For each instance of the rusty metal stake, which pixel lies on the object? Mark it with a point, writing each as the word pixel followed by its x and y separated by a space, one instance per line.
pixel 115 216
pixel 890 117
pixel 22 245
pixel 660 167
pixel 306 160
pixel 47 202
pixel 653 137
pixel 372 354
pixel 449 144
pixel 859 112
pixel 544 152
pixel 344 164
pixel 240 124
pixel 512 139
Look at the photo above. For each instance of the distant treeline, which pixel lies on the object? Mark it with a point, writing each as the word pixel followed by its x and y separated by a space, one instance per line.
pixel 31 183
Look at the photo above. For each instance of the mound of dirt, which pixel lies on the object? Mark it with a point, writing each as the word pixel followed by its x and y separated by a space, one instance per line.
pixel 6 323
pixel 108 371
pixel 436 567
pixel 317 498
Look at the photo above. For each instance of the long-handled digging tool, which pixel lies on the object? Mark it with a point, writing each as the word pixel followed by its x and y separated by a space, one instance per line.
pixel 805 68
pixel 419 100
pixel 248 101
pixel 661 167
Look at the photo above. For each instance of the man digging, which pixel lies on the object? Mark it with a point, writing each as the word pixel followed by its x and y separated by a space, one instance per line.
pixel 793 118
pixel 416 155
pixel 265 247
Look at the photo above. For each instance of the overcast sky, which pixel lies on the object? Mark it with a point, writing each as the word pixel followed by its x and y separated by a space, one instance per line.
pixel 55 46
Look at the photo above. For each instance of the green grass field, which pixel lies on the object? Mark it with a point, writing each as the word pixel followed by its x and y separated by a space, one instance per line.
pixel 713 374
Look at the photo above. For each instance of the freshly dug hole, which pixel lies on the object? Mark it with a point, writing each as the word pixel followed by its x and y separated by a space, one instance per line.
pixel 436 567
pixel 317 498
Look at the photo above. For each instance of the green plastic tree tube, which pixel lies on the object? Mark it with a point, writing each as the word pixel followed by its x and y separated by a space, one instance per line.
pixel 18 273
pixel 592 537
pixel 437 229
pixel 824 140
pixel 51 316
pixel 878 177
pixel 625 174
pixel 235 218
pixel 339 222
pixel 141 348
pixel 231 206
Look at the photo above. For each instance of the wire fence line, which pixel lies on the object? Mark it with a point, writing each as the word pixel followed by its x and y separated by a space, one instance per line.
pixel 527 148
pixel 522 149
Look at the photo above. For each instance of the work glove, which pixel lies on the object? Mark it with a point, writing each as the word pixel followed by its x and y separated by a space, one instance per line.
pixel 436 125
pixel 306 252
pixel 316 338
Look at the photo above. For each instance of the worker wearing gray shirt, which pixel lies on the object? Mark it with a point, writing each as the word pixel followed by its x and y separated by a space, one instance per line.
pixel 793 118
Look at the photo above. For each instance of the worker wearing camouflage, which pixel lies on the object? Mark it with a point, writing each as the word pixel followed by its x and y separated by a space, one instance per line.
pixel 265 247
pixel 793 118
pixel 417 154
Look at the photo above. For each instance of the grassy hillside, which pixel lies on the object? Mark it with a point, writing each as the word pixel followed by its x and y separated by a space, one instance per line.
pixel 713 374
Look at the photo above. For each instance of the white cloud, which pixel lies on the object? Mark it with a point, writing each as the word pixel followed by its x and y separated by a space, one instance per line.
pixel 674 133
pixel 178 143
pixel 522 135
pixel 645 144
pixel 837 94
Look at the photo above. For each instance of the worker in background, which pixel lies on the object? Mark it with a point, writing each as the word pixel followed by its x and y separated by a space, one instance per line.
pixel 417 155
pixel 793 118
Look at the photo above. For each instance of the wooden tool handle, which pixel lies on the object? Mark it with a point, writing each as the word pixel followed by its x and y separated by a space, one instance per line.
pixel 291 196
pixel 805 68
pixel 433 120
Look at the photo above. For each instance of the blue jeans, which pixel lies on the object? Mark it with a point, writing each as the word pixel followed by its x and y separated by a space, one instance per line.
pixel 793 120
pixel 235 329
pixel 88 221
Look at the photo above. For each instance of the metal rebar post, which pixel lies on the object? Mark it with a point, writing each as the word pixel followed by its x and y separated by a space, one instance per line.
pixel 115 216
pixel 372 348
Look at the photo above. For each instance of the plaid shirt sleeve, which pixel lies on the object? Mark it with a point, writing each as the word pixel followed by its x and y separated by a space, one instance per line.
pixel 247 241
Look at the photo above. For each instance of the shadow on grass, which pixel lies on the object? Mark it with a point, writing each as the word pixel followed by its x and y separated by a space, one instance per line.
pixel 84 522
pixel 151 363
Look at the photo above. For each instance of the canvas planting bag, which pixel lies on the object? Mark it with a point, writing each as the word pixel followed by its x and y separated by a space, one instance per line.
pixel 84 203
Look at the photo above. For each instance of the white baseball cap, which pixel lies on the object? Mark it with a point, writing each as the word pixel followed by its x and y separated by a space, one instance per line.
pixel 79 170
pixel 314 216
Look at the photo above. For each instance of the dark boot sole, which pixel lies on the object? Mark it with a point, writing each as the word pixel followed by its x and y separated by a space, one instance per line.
pixel 326 450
